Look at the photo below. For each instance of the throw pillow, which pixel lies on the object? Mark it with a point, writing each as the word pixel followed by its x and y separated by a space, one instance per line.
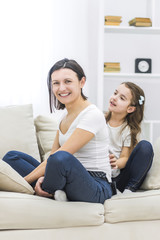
pixel 18 131
pixel 11 181
pixel 152 180
pixel 46 128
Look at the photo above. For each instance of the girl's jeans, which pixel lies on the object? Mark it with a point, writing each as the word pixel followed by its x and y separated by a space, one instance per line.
pixel 132 176
pixel 63 172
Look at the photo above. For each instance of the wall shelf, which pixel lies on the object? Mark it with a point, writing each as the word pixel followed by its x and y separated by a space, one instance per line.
pixel 131 30
pixel 135 75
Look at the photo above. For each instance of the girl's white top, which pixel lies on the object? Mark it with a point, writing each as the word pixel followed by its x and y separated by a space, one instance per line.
pixel 94 156
pixel 118 137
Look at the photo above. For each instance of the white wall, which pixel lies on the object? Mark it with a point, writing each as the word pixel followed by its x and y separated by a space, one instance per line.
pixel 34 35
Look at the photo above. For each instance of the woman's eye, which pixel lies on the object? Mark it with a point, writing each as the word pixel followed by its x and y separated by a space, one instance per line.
pixel 68 81
pixel 54 83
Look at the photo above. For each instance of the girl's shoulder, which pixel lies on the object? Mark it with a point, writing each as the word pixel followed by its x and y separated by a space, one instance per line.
pixel 123 128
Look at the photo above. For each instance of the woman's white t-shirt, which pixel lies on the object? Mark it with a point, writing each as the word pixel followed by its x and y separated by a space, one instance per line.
pixel 94 156
pixel 119 137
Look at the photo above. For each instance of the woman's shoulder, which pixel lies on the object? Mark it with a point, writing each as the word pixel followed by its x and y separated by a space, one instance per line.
pixel 93 111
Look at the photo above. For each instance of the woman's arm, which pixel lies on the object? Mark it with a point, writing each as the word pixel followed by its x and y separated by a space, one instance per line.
pixel 122 160
pixel 76 141
pixel 40 170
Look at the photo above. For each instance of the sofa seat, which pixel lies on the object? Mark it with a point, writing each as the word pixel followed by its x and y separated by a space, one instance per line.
pixel 138 206
pixel 24 211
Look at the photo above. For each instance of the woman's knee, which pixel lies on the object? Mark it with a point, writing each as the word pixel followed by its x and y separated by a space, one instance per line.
pixel 59 158
pixel 10 155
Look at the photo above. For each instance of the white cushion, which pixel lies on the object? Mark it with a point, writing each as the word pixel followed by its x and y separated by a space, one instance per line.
pixel 136 206
pixel 18 131
pixel 152 180
pixel 32 212
pixel 46 128
pixel 11 181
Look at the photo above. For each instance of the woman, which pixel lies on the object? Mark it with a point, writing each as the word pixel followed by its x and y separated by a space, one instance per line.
pixel 79 160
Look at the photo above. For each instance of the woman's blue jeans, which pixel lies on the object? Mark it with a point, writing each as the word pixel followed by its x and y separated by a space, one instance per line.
pixel 132 176
pixel 63 172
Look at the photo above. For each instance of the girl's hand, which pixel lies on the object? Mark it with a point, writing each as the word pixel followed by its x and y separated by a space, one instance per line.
pixel 38 189
pixel 113 161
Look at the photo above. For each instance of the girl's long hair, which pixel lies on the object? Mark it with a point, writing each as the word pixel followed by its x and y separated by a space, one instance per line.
pixel 134 119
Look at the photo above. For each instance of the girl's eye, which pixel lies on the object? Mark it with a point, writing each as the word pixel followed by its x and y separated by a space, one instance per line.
pixel 115 93
pixel 122 98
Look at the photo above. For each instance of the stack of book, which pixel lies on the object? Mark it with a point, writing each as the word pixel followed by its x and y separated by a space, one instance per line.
pixel 112 20
pixel 111 67
pixel 140 22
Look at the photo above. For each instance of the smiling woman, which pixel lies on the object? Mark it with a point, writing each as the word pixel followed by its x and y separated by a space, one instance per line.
pixel 79 160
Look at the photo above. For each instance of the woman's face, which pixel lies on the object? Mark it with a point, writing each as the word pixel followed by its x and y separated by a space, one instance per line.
pixel 120 101
pixel 66 85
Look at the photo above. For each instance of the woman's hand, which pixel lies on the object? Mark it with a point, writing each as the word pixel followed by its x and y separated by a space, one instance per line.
pixel 38 189
pixel 113 161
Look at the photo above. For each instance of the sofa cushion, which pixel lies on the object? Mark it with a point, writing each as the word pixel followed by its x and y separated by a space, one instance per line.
pixel 152 180
pixel 46 128
pixel 11 181
pixel 17 130
pixel 23 211
pixel 138 206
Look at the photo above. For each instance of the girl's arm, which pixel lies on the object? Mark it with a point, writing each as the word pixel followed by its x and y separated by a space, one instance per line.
pixel 122 160
pixel 76 141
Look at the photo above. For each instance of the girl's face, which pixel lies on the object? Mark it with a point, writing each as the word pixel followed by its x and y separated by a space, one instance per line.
pixel 66 85
pixel 120 101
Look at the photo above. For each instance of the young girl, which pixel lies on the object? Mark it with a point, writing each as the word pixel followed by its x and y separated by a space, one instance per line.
pixel 130 160
pixel 79 160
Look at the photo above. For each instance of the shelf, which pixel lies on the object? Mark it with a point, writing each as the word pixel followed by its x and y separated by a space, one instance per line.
pixel 131 30
pixel 139 75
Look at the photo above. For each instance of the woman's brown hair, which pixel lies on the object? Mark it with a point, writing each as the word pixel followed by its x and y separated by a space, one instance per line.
pixel 134 119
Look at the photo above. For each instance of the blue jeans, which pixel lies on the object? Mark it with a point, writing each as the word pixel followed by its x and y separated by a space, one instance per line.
pixel 63 172
pixel 132 176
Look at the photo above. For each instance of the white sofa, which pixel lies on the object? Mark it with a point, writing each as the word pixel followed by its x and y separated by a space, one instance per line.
pixel 26 216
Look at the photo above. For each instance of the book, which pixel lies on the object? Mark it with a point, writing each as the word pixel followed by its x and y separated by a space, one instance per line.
pixel 139 19
pixel 141 24
pixel 113 18
pixel 111 67
pixel 112 23
pixel 111 70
